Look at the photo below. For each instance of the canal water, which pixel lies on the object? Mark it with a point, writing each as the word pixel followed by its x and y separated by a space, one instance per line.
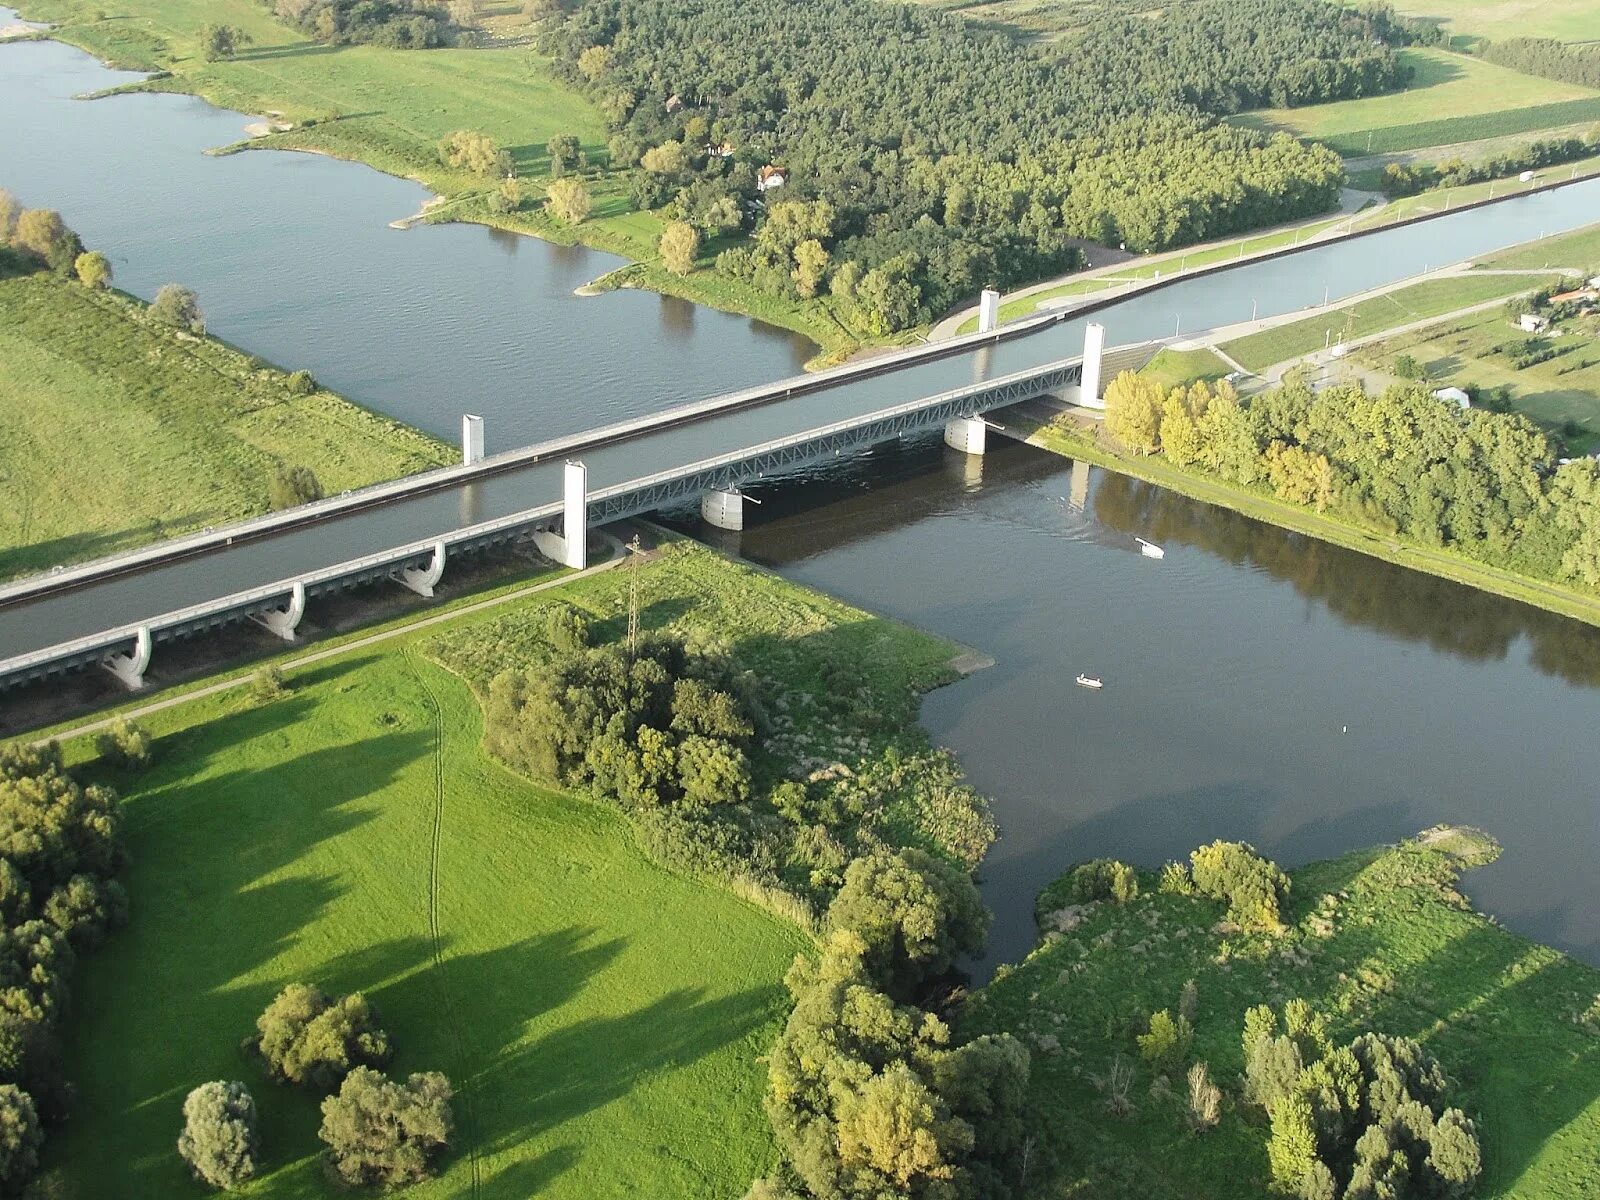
pixel 1259 685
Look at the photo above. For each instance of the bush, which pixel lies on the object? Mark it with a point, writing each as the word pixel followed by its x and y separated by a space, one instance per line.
pixel 310 1038
pixel 568 200
pixel 125 745
pixel 267 684
pixel 300 383
pixel 1252 886
pixel 1175 880
pixel 219 1134
pixel 20 1137
pixel 178 307
pixel 381 1132
pixel 85 908
pixel 292 486
pixel 1104 879
pixel 93 269
pixel 1166 1044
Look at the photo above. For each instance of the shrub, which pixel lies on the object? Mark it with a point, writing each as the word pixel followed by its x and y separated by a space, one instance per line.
pixel 469 150
pixel 267 684
pixel 93 269
pixel 386 1133
pixel 85 908
pixel 568 200
pixel 178 307
pixel 1175 880
pixel 42 232
pixel 507 198
pixel 307 1037
pixel 125 745
pixel 1205 1099
pixel 300 383
pixel 291 486
pixel 20 1137
pixel 1167 1042
pixel 219 1134
pixel 1252 886
pixel 1104 879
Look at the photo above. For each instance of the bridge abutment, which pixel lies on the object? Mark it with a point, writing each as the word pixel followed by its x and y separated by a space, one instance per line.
pixel 284 621
pixel 471 439
pixel 421 580
pixel 988 311
pixel 129 668
pixel 723 509
pixel 1094 346
pixel 968 434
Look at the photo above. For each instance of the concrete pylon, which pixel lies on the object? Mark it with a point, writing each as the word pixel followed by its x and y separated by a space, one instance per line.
pixel 570 547
pixel 284 621
pixel 421 580
pixel 988 311
pixel 471 439
pixel 129 668
pixel 968 434
pixel 1094 346
pixel 725 510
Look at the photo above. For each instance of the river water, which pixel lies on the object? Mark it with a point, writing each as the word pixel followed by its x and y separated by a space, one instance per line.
pixel 1260 685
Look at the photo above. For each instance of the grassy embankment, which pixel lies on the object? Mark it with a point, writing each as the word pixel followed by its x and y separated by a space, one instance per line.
pixel 119 433
pixel 597 1014
pixel 1417 302
pixel 1377 940
pixel 390 108
pixel 1452 98
pixel 1170 368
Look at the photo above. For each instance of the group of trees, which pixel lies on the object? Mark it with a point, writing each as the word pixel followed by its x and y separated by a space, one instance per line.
pixel 396 24
pixel 376 1131
pixel 870 1095
pixel 1579 64
pixel 950 157
pixel 1399 462
pixel 59 854
pixel 1405 179
pixel 1364 1121
pixel 40 236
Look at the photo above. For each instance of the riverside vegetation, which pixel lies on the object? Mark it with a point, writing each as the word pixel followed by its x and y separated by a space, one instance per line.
pixel 152 428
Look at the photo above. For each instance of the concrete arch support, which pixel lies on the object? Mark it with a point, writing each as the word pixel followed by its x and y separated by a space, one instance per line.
pixel 1094 345
pixel 421 580
pixel 969 434
pixel 725 510
pixel 284 621
pixel 471 439
pixel 988 311
pixel 570 547
pixel 129 668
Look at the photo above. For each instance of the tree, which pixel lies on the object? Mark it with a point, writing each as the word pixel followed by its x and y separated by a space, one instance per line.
pixel 1292 1148
pixel 125 745
pixel 595 62
pixel 914 914
pixel 477 152
pixel 566 154
pixel 568 200
pixel 669 158
pixel 290 487
pixel 93 269
pixel 380 1132
pixel 892 1127
pixel 219 1134
pixel 1407 367
pixel 680 246
pixel 20 1137
pixel 42 232
pixel 1133 412
pixel 810 265
pixel 1167 1042
pixel 308 1037
pixel 1234 872
pixel 178 307
pixel 10 210
pixel 1205 1099
pixel 1180 432
pixel 221 41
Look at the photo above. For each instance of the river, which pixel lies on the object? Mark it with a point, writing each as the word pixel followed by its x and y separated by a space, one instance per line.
pixel 1260 685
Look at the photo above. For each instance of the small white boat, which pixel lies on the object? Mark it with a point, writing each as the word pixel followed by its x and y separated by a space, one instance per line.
pixel 1150 549
pixel 1090 681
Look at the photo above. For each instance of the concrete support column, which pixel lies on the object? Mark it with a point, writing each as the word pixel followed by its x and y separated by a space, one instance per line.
pixel 422 579
pixel 471 439
pixel 1094 345
pixel 725 510
pixel 968 434
pixel 284 621
pixel 570 547
pixel 129 668
pixel 988 311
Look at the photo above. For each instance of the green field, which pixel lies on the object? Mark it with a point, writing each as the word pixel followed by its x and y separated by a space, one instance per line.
pixel 601 1018
pixel 1379 940
pixel 119 434
pixel 1170 368
pixel 1418 301
pixel 1578 251
pixel 1564 20
pixel 1452 98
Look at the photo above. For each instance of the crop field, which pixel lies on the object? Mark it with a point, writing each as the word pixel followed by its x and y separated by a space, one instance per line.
pixel 1564 20
pixel 1452 98
pixel 117 434
pixel 601 1018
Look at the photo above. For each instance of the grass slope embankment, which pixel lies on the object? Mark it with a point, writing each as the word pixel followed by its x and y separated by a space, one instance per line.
pixel 1073 441
pixel 117 432
pixel 601 1018
pixel 1377 940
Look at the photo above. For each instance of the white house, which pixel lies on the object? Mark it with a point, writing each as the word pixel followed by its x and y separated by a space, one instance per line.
pixel 770 177
pixel 1453 395
pixel 1532 323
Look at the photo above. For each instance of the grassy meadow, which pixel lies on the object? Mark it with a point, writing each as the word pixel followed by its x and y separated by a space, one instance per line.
pixel 1452 98
pixel 1379 940
pixel 118 433
pixel 1564 20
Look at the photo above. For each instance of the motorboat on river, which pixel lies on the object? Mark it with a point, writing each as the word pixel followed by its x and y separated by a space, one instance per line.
pixel 1090 681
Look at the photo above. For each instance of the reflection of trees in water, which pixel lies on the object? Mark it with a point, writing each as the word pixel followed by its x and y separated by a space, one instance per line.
pixel 1446 616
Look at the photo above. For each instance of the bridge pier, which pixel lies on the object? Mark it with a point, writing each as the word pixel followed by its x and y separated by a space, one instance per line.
pixel 421 580
pixel 471 439
pixel 988 311
pixel 284 621
pixel 723 509
pixel 1094 345
pixel 968 434
pixel 570 547
pixel 129 668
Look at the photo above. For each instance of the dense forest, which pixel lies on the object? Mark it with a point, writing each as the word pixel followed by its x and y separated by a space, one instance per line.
pixel 1548 57
pixel 936 157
